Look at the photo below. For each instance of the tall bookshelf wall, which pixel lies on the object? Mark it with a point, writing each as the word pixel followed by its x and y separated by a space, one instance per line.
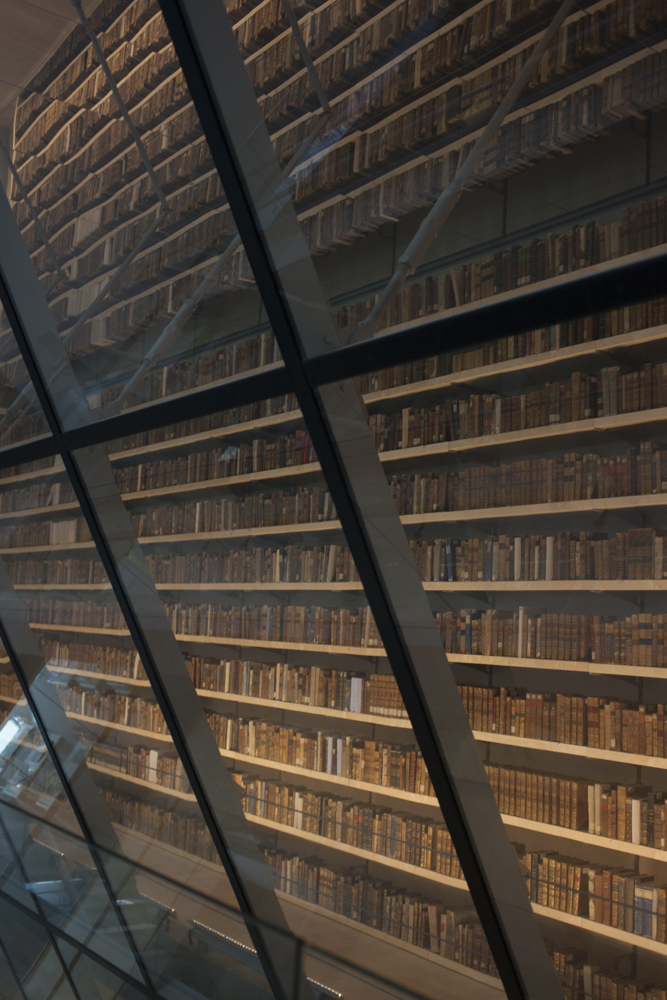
pixel 529 472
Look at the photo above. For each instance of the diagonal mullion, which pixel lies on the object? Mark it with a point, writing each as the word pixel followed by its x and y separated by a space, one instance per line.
pixel 336 419
pixel 65 750
pixel 91 475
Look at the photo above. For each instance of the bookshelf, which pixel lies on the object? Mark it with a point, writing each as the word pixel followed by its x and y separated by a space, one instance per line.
pixel 466 437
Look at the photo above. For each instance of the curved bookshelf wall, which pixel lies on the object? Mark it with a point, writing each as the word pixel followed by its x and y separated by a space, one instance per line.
pixel 533 464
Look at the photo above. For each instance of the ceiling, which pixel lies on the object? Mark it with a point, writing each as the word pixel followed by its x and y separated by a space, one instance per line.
pixel 30 30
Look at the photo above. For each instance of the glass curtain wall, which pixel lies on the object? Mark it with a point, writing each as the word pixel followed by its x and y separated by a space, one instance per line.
pixel 238 601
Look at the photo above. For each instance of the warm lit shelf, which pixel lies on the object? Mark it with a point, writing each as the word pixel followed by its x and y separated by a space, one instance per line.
pixel 612 933
pixel 592 753
pixel 130 730
pixel 284 472
pixel 513 662
pixel 152 786
pixel 568 508
pixel 217 640
pixel 570 666
pixel 243 699
pixel 500 368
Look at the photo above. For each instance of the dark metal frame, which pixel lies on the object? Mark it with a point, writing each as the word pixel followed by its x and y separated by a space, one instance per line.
pixel 320 371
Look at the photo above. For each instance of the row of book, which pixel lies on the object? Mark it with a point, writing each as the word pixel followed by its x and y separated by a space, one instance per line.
pixel 584 555
pixel 401 836
pixel 183 375
pixel 275 623
pixel 119 188
pixel 133 64
pixel 167 826
pixel 598 722
pixel 630 813
pixel 77 656
pixel 340 690
pixel 46 494
pixel 446 55
pixel 633 555
pixel 378 904
pixel 526 139
pixel 572 476
pixel 76 572
pixel 125 710
pixel 288 564
pixel 643 226
pixel 260 455
pixel 390 765
pixel 614 896
pixel 306 505
pixel 69 531
pixel 164 769
pixel 324 29
pixel 44 610
pixel 531 633
pixel 480 414
pixel 319 626
pixel 638 640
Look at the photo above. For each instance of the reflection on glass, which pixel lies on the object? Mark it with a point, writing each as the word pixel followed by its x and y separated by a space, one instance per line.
pixel 242 540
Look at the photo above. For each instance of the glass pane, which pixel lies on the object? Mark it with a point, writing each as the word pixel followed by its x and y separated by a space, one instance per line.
pixel 411 88
pixel 123 213
pixel 537 529
pixel 242 541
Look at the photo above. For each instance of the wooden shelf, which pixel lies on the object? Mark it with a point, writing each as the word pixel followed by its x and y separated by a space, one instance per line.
pixel 78 629
pixel 567 508
pixel 231 430
pixel 285 472
pixel 131 730
pixel 581 922
pixel 590 348
pixel 570 666
pixel 8 698
pixel 153 786
pixel 592 753
pixel 20 515
pixel 612 933
pixel 244 699
pixel 564 833
pixel 209 640
pixel 105 678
